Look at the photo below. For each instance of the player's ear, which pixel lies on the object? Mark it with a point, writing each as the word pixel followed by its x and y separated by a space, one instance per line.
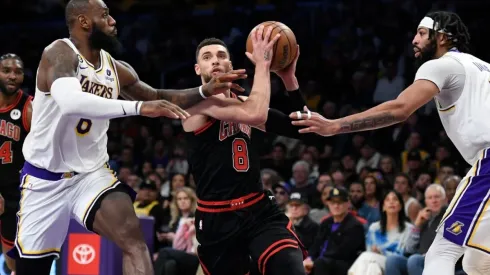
pixel 197 69
pixel 231 65
pixel 84 22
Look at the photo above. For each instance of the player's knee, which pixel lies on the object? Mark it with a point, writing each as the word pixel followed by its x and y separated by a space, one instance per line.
pixel 286 261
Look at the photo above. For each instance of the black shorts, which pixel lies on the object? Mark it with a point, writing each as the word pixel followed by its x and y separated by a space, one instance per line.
pixel 8 221
pixel 251 229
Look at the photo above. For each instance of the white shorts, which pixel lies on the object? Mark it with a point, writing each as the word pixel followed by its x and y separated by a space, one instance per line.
pixel 467 218
pixel 47 205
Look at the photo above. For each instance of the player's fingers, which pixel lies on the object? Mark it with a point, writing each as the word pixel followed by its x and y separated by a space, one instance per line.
pixel 237 87
pixel 302 123
pixel 273 41
pixel 253 35
pixel 168 113
pixel 182 113
pixel 268 33
pixel 238 71
pixel 312 129
pixel 260 33
pixel 231 77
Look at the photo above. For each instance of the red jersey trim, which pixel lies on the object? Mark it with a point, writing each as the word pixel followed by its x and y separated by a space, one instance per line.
pixel 11 106
pixel 204 127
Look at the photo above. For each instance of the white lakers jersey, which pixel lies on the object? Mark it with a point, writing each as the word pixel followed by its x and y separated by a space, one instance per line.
pixel 466 121
pixel 60 143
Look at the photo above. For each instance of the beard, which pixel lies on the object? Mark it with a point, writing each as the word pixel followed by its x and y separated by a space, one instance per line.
pixel 426 54
pixel 100 40
pixel 6 91
pixel 206 77
pixel 357 204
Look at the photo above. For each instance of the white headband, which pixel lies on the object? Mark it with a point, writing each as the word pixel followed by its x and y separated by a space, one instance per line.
pixel 428 23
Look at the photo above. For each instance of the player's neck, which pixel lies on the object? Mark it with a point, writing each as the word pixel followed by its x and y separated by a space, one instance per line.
pixel 7 100
pixel 90 54
pixel 440 52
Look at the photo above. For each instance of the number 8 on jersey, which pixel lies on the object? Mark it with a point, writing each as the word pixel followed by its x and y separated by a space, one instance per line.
pixel 240 155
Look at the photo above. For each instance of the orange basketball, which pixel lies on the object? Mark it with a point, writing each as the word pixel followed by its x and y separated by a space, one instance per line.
pixel 285 47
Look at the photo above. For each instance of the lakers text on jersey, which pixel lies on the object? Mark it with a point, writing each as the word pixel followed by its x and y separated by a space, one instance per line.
pixel 60 143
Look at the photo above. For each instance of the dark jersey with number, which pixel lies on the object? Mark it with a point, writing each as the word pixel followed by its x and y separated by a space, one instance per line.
pixel 223 162
pixel 13 131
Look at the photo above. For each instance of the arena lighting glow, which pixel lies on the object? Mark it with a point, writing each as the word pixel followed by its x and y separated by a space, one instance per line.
pixel 2 263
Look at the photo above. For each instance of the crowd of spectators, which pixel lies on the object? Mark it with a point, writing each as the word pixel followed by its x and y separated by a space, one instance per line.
pixel 363 203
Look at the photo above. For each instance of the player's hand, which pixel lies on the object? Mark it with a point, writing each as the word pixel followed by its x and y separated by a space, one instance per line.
pixel 289 73
pixel 314 123
pixel 223 82
pixel 158 108
pixel 2 205
pixel 262 46
pixel 422 217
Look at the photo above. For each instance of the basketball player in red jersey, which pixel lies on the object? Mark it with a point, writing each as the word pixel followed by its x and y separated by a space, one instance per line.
pixel 15 120
pixel 235 218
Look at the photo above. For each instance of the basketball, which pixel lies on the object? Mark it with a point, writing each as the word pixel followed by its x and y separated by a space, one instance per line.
pixel 285 47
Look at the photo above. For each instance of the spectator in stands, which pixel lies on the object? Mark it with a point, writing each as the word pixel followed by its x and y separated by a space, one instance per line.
pixel 423 181
pixel 147 205
pixel 176 182
pixel 178 163
pixel 297 210
pixel 183 205
pixel 278 161
pixel 413 151
pixel 339 241
pixel 369 157
pixel 414 163
pixel 323 180
pixel 338 178
pixel 387 166
pixel 445 170
pixel 349 168
pixel 384 238
pixel 358 204
pixel 181 258
pixel 421 236
pixel 450 185
pixel 301 183
pixel 318 214
pixel 269 178
pixel 403 185
pixel 372 191
pixel 281 193
pixel 390 85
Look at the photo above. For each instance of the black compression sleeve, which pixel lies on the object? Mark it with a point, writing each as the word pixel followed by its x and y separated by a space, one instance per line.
pixel 280 124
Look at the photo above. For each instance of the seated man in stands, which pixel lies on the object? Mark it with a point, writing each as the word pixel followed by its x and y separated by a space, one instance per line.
pixel 339 241
pixel 297 210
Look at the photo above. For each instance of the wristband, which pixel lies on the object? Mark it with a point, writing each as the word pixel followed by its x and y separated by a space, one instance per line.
pixel 201 93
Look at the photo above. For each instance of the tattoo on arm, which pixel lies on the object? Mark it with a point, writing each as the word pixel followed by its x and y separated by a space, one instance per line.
pixel 368 123
pixel 183 98
pixel 62 60
pixel 139 90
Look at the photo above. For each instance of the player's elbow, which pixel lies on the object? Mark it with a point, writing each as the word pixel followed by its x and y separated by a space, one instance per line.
pixel 401 110
pixel 256 119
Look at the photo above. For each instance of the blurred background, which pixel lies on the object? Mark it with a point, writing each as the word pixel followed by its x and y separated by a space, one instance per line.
pixel 354 54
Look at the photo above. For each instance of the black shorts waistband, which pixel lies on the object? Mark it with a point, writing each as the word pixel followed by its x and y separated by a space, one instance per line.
pixel 229 205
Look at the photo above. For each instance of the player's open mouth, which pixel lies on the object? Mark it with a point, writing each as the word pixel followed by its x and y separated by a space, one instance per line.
pixel 12 86
pixel 416 52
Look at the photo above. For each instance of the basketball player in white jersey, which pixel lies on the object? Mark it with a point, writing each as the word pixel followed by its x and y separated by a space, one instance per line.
pixel 459 82
pixel 65 174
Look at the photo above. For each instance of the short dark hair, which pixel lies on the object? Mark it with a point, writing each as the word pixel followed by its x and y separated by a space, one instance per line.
pixel 405 176
pixel 73 9
pixel 450 22
pixel 210 41
pixel 11 56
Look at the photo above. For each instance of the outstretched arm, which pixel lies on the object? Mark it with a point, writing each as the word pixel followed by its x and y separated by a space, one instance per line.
pixel 57 77
pixel 383 115
pixel 132 88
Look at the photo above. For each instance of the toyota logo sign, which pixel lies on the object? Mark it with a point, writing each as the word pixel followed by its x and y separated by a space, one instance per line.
pixel 83 254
